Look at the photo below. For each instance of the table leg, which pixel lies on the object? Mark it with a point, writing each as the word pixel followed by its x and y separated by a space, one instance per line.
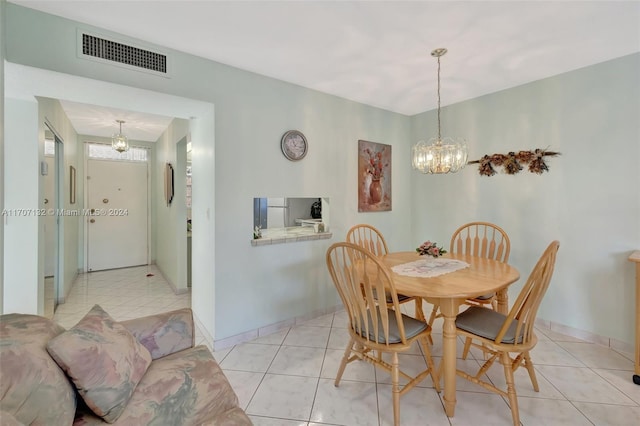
pixel 636 377
pixel 449 309
pixel 503 301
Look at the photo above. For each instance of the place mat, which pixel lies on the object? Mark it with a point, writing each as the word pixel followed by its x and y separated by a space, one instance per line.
pixel 431 267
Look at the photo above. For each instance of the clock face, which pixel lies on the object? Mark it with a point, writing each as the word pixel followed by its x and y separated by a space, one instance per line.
pixel 294 145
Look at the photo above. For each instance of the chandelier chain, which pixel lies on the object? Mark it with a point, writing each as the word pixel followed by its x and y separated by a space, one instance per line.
pixel 439 135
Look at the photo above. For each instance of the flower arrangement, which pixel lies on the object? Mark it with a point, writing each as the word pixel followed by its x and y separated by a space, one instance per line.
pixel 513 162
pixel 375 166
pixel 431 249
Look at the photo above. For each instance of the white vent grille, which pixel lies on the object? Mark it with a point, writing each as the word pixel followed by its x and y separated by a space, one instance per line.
pixel 124 54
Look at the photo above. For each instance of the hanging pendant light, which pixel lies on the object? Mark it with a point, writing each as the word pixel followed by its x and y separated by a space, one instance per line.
pixel 439 155
pixel 120 142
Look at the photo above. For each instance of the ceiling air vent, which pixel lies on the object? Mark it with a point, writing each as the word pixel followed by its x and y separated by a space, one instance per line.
pixel 109 50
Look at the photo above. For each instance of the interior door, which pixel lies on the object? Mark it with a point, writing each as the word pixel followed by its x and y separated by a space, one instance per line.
pixel 50 219
pixel 117 199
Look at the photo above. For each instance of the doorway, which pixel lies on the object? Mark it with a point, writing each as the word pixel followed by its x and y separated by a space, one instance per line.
pixel 32 82
pixel 117 205
pixel 52 168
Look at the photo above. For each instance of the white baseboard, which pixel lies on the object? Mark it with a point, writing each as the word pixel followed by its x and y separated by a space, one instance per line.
pixel 175 289
pixel 272 328
pixel 202 331
pixel 623 347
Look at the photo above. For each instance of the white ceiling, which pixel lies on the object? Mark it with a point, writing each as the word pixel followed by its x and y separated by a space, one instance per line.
pixel 96 120
pixel 377 53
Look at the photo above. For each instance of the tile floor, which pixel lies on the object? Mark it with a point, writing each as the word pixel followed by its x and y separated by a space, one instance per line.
pixel 286 378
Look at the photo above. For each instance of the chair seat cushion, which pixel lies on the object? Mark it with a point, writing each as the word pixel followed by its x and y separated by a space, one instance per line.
pixel 486 323
pixel 401 298
pixel 412 327
pixel 485 297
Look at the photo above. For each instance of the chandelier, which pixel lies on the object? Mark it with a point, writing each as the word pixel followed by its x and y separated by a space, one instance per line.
pixel 439 155
pixel 120 142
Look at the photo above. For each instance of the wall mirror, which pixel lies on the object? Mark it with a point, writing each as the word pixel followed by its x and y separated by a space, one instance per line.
pixel 168 183
pixel 285 212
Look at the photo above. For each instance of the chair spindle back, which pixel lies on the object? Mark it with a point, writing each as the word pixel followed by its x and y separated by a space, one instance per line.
pixel 525 308
pixel 368 237
pixel 358 276
pixel 481 239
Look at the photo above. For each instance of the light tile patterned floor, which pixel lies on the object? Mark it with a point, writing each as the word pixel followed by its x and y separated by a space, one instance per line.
pixel 286 378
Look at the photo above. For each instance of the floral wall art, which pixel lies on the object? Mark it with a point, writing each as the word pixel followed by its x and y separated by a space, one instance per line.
pixel 374 177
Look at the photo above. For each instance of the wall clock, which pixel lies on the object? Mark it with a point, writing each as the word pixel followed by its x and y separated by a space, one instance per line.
pixel 294 145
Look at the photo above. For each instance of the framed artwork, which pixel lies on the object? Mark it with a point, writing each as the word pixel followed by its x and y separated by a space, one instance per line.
pixel 72 185
pixel 374 177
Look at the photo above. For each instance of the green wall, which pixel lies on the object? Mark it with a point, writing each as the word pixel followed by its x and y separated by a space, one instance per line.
pixel 254 286
pixel 589 199
pixel 3 4
pixel 170 238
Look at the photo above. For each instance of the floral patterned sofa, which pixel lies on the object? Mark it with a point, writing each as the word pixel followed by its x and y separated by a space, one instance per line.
pixel 139 372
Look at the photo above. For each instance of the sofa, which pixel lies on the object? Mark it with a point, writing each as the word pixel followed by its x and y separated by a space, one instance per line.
pixel 144 371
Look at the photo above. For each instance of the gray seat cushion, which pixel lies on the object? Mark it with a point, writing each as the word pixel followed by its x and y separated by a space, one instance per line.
pixel 486 323
pixel 485 296
pixel 412 327
pixel 401 298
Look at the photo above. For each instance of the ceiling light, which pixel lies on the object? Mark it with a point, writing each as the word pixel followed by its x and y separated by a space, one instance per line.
pixel 120 142
pixel 439 155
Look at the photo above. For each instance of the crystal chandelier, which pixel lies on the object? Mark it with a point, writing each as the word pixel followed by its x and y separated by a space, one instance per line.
pixel 120 142
pixel 439 155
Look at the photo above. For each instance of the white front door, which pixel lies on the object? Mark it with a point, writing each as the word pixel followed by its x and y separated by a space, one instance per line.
pixel 117 226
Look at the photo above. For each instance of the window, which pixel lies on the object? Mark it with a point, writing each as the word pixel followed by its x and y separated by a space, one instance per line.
pixel 101 151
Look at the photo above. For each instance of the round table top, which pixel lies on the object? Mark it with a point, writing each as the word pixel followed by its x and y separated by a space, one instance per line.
pixel 483 276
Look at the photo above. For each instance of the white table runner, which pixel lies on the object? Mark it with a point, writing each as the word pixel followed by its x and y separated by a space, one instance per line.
pixel 430 267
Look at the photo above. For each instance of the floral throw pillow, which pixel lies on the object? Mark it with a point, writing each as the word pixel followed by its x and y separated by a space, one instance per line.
pixel 104 361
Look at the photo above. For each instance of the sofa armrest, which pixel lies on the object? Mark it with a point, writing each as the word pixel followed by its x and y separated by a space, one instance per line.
pixel 165 333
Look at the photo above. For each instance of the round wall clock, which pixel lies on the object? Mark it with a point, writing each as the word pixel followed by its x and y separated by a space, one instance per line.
pixel 294 145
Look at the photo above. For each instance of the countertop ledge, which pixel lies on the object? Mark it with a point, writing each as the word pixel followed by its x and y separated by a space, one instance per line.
pixel 293 238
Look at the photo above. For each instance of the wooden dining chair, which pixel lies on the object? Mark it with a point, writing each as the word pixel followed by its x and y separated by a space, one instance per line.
pixel 480 239
pixel 375 329
pixel 370 238
pixel 499 335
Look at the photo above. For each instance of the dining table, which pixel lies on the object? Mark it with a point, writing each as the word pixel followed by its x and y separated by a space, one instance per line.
pixel 413 275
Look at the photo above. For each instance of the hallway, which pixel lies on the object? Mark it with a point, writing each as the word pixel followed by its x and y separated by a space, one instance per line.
pixel 124 293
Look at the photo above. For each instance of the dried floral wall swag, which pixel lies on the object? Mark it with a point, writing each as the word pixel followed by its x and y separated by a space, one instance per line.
pixel 513 162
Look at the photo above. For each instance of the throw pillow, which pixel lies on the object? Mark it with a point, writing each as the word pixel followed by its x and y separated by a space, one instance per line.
pixel 104 361
pixel 33 389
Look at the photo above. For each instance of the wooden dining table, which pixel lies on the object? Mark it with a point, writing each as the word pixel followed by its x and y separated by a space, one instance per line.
pixel 449 291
